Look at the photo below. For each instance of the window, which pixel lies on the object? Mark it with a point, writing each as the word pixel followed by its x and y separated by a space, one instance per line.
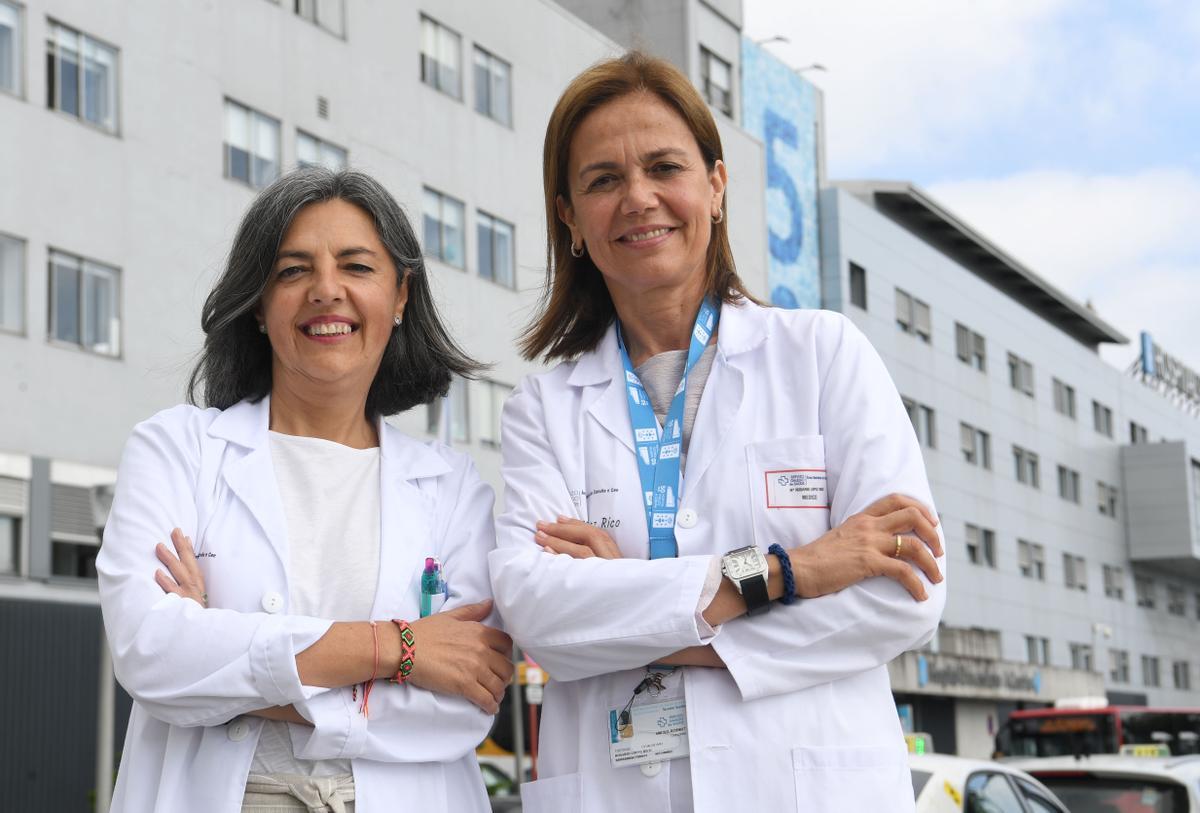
pixel 991 791
pixel 327 14
pixel 970 347
pixel 441 58
pixel 976 446
pixel 1068 484
pixel 1037 650
pixel 1106 499
pixel 1020 374
pixel 10 545
pixel 1138 433
pixel 912 316
pixel 1176 602
pixel 1026 464
pixel 81 76
pixel 12 283
pixel 1102 419
pixel 858 286
pixel 454 404
pixel 73 560
pixel 444 228
pixel 716 81
pixel 1182 672
pixel 1118 666
pixel 10 47
pixel 251 145
pixel 1064 399
pixel 313 152
pixel 1031 558
pixel 981 546
pixel 924 422
pixel 1150 671
pixel 1081 657
pixel 495 239
pixel 1144 591
pixel 1075 572
pixel 493 87
pixel 84 307
pixel 494 394
pixel 1114 582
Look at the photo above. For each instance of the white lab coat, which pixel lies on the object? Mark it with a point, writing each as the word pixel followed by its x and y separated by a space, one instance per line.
pixel 193 671
pixel 803 720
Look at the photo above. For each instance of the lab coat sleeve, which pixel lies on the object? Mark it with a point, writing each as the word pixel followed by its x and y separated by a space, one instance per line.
pixel 870 452
pixel 405 723
pixel 578 617
pixel 186 665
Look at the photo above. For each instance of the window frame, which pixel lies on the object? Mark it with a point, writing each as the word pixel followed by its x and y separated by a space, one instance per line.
pixel 254 119
pixel 481 218
pixel 459 392
pixel 315 18
pixel 1068 484
pixel 19 47
pixel 492 410
pixel 1064 398
pixel 1102 418
pixel 54 83
pixel 1031 560
pixel 970 347
pixel 1075 572
pixel 443 198
pixel 1145 592
pixel 83 267
pixel 1151 668
pixel 490 108
pixel 1114 582
pixel 434 79
pixel 981 551
pixel 1028 467
pixel 1118 665
pixel 320 144
pixel 22 272
pixel 1020 374
pixel 858 290
pixel 979 451
pixel 707 57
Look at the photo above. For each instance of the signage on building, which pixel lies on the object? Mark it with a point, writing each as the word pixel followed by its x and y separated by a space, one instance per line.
pixel 946 674
pixel 780 107
pixel 1169 373
pixel 978 673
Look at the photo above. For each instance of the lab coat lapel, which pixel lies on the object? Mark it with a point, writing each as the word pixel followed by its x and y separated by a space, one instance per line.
pixel 406 530
pixel 251 477
pixel 610 408
pixel 741 329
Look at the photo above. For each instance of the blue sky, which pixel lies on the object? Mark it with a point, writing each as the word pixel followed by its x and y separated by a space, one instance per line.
pixel 1066 130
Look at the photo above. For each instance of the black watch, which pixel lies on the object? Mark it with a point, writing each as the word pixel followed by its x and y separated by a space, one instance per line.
pixel 747 569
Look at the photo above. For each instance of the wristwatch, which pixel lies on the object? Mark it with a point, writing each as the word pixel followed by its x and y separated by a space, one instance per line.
pixel 747 569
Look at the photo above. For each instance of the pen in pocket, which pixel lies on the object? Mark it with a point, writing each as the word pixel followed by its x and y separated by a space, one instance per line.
pixel 433 587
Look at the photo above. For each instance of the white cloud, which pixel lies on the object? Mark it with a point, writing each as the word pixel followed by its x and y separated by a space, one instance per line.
pixel 1129 243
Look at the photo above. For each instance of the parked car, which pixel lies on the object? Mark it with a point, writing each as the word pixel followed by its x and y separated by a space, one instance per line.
pixel 1111 783
pixel 946 784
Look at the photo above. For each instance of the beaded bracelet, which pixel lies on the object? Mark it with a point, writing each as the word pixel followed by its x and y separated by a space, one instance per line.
pixel 408 652
pixel 785 566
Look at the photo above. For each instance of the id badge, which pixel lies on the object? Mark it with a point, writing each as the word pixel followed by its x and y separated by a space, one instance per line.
pixel 654 732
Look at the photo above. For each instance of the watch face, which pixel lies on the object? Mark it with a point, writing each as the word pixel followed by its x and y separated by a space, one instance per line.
pixel 741 564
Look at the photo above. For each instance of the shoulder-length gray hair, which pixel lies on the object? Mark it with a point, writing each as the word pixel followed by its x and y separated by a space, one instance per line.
pixel 420 357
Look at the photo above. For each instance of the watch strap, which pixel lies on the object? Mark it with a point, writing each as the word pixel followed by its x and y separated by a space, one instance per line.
pixel 754 591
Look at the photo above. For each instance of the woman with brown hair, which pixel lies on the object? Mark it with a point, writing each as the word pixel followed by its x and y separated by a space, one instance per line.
pixel 686 429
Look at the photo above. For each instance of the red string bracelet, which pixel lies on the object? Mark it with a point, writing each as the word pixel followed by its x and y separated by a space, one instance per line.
pixel 408 652
pixel 364 710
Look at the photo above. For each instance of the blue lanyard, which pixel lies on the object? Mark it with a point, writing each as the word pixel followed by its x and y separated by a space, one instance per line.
pixel 658 448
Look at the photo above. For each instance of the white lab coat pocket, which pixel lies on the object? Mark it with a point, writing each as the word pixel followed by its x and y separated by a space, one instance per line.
pixel 789 490
pixel 838 780
pixel 558 794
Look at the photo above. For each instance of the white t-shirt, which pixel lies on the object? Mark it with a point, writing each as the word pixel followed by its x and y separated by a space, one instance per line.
pixel 330 496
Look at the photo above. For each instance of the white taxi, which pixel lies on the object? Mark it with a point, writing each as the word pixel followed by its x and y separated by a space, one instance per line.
pixel 1124 783
pixel 946 784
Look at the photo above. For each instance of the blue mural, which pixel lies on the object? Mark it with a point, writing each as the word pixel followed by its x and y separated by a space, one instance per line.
pixel 780 107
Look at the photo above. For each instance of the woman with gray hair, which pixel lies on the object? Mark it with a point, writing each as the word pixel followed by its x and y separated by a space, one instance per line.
pixel 280 658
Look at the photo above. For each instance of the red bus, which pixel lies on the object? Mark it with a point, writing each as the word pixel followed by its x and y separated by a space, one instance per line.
pixel 1056 732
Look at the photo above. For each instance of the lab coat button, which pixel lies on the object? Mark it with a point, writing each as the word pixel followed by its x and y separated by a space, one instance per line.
pixel 272 602
pixel 687 519
pixel 651 769
pixel 238 730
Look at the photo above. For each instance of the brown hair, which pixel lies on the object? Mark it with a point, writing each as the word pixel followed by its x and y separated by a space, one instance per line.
pixel 575 308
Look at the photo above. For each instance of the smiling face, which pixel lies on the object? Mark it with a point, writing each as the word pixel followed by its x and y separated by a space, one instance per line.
pixel 641 198
pixel 331 300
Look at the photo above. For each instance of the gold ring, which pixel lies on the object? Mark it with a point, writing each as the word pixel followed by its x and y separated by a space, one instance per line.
pixel 899 546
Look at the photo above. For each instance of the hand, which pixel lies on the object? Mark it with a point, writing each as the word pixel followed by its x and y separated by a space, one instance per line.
pixel 456 654
pixel 576 538
pixel 865 546
pixel 185 579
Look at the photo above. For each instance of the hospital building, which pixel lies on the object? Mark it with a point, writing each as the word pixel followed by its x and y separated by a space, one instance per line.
pixel 137 133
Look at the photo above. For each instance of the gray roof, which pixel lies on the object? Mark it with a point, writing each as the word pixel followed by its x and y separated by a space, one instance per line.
pixel 916 211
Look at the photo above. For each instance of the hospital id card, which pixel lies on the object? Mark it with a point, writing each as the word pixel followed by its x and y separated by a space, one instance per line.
pixel 652 733
pixel 797 488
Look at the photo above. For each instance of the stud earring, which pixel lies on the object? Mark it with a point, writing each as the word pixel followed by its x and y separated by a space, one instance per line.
pixel 262 328
pixel 397 319
pixel 720 216
pixel 577 253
